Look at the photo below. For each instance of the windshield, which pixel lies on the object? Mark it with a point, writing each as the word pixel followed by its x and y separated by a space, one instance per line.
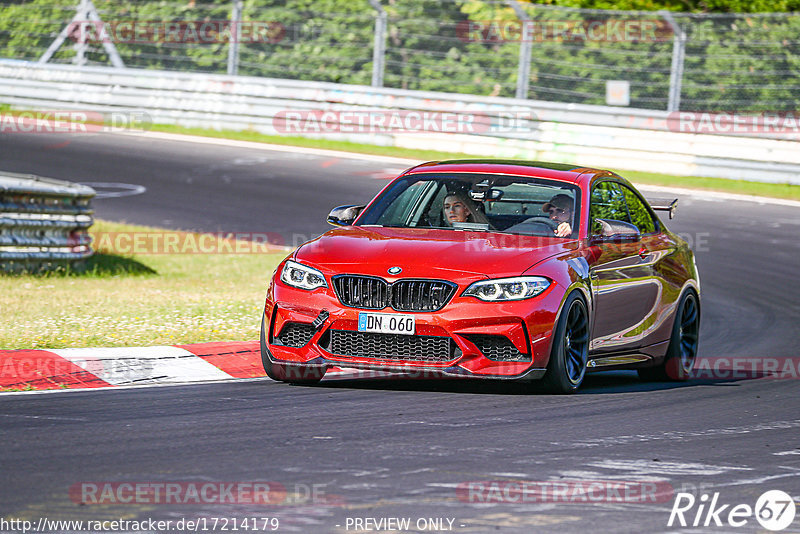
pixel 479 202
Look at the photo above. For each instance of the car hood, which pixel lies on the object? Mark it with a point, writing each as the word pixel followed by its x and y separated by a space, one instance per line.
pixel 428 253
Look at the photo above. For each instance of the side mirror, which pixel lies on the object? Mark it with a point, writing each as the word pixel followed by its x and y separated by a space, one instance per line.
pixel 616 231
pixel 344 215
pixel 666 206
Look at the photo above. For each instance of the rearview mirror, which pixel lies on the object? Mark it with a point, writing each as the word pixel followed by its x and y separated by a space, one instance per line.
pixel 485 194
pixel 616 231
pixel 344 215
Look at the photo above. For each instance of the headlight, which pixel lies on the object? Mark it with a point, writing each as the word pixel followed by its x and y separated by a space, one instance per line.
pixel 502 289
pixel 297 275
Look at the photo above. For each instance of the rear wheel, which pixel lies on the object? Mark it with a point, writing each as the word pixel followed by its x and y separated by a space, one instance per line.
pixel 570 350
pixel 292 374
pixel 683 343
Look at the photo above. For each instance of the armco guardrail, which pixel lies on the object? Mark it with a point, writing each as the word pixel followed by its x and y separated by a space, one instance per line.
pixel 43 222
pixel 617 138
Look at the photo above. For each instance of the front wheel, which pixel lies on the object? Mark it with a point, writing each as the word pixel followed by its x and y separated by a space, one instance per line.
pixel 683 343
pixel 570 349
pixel 292 374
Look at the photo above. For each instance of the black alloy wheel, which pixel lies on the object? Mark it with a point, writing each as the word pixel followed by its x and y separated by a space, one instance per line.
pixel 683 344
pixel 570 351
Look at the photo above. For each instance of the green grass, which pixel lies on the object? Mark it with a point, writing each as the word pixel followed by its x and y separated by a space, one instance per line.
pixel 137 300
pixel 743 187
pixel 785 190
pixel 329 144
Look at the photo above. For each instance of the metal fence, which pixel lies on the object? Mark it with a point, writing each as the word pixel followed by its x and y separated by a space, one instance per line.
pixel 648 60
pixel 601 136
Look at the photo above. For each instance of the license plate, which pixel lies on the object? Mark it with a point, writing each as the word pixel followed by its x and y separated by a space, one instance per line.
pixel 386 323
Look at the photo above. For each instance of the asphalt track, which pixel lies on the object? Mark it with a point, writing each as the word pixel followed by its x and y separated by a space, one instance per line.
pixel 376 448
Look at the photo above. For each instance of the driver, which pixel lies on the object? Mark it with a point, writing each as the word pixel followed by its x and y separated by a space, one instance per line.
pixel 560 210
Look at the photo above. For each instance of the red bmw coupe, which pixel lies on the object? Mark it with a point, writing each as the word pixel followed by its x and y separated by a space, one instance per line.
pixel 489 269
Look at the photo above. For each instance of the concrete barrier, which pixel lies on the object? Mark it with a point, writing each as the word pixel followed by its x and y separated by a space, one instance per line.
pixel 612 137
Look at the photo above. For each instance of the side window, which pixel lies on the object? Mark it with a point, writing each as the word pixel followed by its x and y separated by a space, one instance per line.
pixel 607 202
pixel 434 214
pixel 399 211
pixel 639 214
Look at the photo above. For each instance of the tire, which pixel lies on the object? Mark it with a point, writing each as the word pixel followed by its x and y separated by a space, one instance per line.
pixel 683 343
pixel 570 350
pixel 292 374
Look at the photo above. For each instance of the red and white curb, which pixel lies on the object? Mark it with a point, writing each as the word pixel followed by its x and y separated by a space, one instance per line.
pixel 28 370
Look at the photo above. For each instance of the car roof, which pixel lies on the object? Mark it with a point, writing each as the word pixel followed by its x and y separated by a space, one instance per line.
pixel 540 169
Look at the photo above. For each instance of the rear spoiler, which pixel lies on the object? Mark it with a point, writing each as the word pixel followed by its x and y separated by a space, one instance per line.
pixel 664 206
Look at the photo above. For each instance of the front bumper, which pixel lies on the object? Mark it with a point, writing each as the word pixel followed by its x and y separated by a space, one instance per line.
pixel 465 321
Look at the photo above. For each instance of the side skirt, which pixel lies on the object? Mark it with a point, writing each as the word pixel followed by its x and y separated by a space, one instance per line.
pixel 643 357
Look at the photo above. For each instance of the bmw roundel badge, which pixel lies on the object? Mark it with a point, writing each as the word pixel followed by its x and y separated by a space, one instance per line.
pixel 395 270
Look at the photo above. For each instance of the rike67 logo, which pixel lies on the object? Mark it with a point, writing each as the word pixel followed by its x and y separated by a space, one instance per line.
pixel 774 510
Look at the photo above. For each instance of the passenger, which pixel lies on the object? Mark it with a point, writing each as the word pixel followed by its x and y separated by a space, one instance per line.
pixel 560 210
pixel 458 207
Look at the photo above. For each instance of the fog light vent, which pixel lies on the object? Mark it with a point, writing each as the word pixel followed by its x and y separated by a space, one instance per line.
pixel 497 348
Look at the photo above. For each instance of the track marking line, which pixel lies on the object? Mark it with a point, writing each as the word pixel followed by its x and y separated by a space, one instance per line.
pixel 678 435
pixel 408 162
pixel 267 146
pixel 46 417
pixel 112 389
pixel 647 467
